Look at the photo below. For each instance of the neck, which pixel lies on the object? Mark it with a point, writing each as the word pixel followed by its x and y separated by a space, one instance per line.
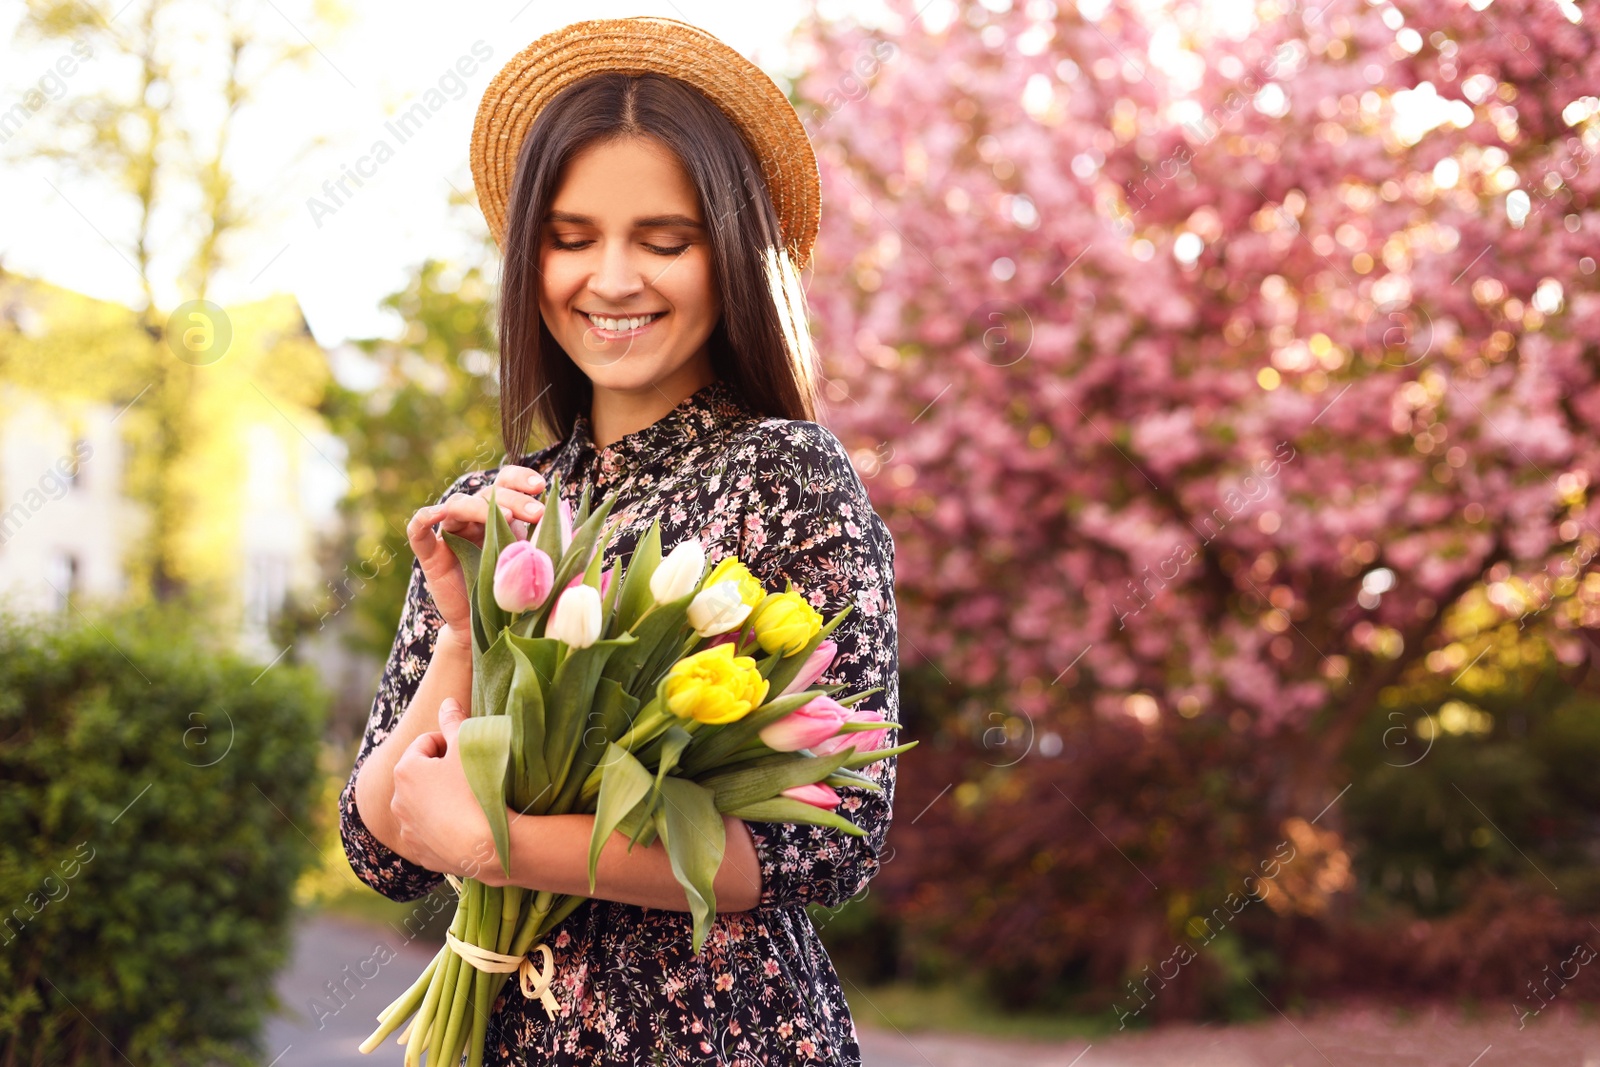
pixel 615 413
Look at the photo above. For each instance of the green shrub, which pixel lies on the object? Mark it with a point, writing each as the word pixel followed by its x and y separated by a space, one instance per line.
pixel 1508 793
pixel 152 790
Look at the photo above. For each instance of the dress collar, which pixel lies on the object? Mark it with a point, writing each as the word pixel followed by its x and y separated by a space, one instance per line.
pixel 707 411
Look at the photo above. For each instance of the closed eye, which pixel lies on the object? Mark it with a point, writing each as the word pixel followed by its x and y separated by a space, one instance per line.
pixel 573 246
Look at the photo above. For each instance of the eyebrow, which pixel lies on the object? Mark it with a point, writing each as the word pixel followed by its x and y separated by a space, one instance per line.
pixel 639 223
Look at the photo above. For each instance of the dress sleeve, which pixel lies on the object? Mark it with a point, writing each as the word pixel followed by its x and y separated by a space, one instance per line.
pixel 375 863
pixel 810 521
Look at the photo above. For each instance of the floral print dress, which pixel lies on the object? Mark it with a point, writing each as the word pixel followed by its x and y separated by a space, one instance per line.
pixel 783 497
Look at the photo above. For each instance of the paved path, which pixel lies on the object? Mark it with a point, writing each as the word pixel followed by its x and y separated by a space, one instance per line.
pixel 309 1036
pixel 1346 1037
pixel 304 1036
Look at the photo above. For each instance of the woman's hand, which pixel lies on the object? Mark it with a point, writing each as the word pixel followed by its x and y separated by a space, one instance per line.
pixel 437 817
pixel 466 515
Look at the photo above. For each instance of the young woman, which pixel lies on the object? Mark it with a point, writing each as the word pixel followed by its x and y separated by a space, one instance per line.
pixel 644 324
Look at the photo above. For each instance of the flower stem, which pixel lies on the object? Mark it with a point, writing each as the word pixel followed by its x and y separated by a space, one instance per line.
pixel 510 911
pixel 445 1010
pixel 479 898
pixel 532 920
pixel 422 1025
pixel 652 721
pixel 404 1006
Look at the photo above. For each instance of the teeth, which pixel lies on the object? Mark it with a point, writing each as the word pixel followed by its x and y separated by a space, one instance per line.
pixel 622 324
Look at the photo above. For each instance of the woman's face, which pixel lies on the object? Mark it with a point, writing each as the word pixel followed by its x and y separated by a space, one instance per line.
pixel 625 239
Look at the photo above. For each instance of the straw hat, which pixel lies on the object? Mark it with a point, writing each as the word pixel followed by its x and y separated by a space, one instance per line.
pixel 758 109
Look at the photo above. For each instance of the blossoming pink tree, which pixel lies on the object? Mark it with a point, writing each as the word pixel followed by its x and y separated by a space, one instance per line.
pixel 1211 393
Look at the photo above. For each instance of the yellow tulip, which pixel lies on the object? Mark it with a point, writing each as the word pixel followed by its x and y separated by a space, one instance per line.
pixel 731 568
pixel 785 622
pixel 715 686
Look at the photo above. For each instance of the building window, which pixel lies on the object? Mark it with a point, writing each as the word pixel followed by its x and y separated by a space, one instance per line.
pixel 77 480
pixel 62 574
pixel 266 586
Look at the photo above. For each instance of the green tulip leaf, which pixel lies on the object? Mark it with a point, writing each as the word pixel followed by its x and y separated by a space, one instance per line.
pixel 547 533
pixel 542 653
pixel 691 828
pixel 639 667
pixel 491 678
pixel 634 597
pixel 497 537
pixel 673 742
pixel 639 824
pixel 788 809
pixel 861 726
pixel 664 752
pixel 735 789
pixel 862 759
pixel 530 791
pixel 843 777
pixel 623 785
pixel 570 697
pixel 609 717
pixel 470 556
pixel 485 743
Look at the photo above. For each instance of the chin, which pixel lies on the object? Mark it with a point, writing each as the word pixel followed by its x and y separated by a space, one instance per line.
pixel 626 377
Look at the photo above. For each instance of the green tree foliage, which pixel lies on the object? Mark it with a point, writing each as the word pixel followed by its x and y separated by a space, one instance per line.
pixel 431 417
pixel 1489 777
pixel 127 138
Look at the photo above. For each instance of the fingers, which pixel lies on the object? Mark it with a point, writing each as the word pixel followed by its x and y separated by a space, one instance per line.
pixel 514 504
pixel 420 534
pixel 451 714
pixel 522 479
pixel 466 514
pixel 515 486
pixel 431 745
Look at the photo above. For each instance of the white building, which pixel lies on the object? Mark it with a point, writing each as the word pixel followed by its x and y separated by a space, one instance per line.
pixel 67 516
pixel 62 513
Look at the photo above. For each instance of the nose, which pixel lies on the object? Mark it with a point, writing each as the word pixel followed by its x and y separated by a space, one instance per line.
pixel 618 276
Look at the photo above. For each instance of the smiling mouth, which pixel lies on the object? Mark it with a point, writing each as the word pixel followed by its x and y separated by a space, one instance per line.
pixel 620 326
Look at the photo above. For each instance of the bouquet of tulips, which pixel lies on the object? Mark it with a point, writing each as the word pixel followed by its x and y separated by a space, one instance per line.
pixel 659 699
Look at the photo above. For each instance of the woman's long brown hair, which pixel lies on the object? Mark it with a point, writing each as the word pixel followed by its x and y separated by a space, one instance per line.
pixel 761 345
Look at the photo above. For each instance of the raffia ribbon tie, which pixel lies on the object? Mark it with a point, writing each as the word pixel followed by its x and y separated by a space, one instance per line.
pixel 535 983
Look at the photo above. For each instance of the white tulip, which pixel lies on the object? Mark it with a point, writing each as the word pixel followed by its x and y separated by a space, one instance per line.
pixel 718 609
pixel 576 618
pixel 679 573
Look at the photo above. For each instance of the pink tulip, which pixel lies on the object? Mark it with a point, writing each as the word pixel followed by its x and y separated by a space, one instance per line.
pixel 864 741
pixel 523 577
pixel 814 668
pixel 817 794
pixel 805 726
